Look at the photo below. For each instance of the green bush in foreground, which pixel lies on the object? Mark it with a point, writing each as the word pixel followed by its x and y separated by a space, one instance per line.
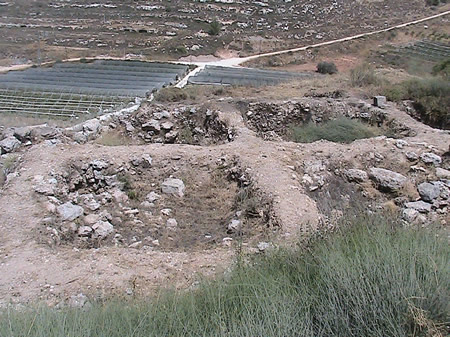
pixel 431 99
pixel 370 279
pixel 342 130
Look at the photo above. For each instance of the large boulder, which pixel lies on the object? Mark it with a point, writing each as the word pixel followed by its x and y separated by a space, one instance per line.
pixel 429 191
pixel 9 144
pixel 386 180
pixel 173 186
pixel 69 211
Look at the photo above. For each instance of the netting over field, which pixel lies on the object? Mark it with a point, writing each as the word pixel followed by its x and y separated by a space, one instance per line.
pixel 243 76
pixel 101 77
pixel 75 88
pixel 57 104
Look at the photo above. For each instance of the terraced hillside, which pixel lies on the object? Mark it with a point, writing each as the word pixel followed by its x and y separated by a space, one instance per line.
pixel 49 30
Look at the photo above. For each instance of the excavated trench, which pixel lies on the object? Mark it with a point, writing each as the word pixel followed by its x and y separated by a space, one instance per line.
pixel 172 206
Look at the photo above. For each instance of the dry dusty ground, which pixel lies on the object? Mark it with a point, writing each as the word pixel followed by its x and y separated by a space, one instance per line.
pixel 33 271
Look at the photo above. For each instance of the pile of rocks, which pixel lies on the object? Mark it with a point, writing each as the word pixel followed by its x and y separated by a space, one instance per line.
pixel 11 139
pixel 428 201
pixel 175 124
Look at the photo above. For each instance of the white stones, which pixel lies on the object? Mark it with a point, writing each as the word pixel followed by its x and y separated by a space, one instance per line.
pixel 102 229
pixel 234 226
pixel 387 180
pixel 167 126
pixel 91 219
pixel 262 246
pixel 152 197
pixel 9 144
pixel 171 223
pixel 69 211
pixel 173 186
pixel 430 158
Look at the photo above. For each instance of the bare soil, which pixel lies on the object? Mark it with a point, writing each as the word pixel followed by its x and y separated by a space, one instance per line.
pixel 35 269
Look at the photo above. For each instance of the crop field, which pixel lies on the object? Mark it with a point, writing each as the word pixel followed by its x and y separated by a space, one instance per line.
pixel 102 77
pixel 59 105
pixel 69 90
pixel 421 51
pixel 243 76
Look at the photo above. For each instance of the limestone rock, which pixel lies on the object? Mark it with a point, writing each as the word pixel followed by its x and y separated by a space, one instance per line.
pixel 411 156
pixel 234 226
pixel 85 231
pixel 102 229
pixel 442 173
pixel 356 175
pixel 69 211
pixel 430 158
pixel 420 206
pixel 410 214
pixel 152 197
pixel 9 144
pixel 173 186
pixel 387 180
pixel 152 125
pixel 429 191
pixel 171 223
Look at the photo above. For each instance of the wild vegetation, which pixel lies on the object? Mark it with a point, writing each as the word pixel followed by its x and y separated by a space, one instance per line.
pixel 372 277
pixel 341 130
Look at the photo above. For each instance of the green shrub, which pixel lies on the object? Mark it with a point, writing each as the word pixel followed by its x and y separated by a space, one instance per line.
pixel 327 68
pixel 342 130
pixel 431 99
pixel 372 278
pixel 171 94
pixel 363 75
pixel 442 69
pixel 214 28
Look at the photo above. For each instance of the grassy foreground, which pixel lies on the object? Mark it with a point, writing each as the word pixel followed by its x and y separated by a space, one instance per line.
pixel 367 280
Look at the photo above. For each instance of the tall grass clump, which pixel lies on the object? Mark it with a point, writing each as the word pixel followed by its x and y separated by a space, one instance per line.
pixel 431 97
pixel 372 278
pixel 341 130
pixel 363 75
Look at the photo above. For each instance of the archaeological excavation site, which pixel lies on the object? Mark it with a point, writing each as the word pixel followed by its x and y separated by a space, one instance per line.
pixel 150 153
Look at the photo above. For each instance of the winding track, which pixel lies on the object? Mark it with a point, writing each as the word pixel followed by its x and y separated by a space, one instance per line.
pixel 237 61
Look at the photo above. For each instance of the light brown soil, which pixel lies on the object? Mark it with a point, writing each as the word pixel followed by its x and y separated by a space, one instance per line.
pixel 31 271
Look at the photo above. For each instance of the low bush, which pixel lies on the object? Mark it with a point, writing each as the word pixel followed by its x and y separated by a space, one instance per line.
pixel 342 130
pixel 431 99
pixel 171 94
pixel 214 28
pixel 327 68
pixel 363 75
pixel 371 278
